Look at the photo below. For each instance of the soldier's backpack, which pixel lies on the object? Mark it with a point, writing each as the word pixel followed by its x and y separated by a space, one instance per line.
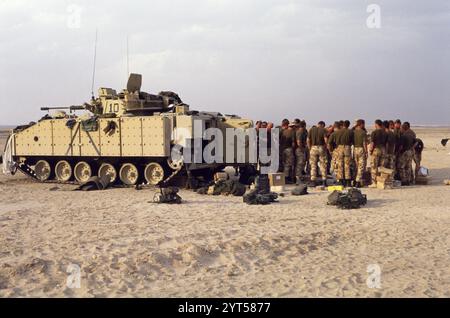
pixel 95 183
pixel 333 197
pixel 254 197
pixel 350 199
pixel 167 195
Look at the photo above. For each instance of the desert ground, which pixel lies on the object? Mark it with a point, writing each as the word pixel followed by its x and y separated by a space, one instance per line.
pixel 220 247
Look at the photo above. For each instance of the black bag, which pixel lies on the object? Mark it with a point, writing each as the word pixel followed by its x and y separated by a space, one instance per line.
pixel 238 189
pixel 167 195
pixel 333 197
pixel 253 197
pixel 352 199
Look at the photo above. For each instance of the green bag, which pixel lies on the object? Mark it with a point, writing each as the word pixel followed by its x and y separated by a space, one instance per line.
pixel 90 124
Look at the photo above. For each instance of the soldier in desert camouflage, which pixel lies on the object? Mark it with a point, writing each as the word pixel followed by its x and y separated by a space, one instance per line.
pixel 332 146
pixel 377 149
pixel 389 156
pixel 360 151
pixel 301 136
pixel 317 141
pixel 407 144
pixel 344 141
pixel 287 143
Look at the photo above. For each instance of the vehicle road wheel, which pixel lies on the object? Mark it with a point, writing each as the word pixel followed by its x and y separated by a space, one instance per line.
pixel 63 171
pixel 43 170
pixel 129 174
pixel 82 172
pixel 108 169
pixel 154 173
pixel 175 164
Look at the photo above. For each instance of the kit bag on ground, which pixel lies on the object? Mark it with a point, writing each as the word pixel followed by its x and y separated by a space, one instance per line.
pixel 167 195
pixel 253 197
pixel 95 183
pixel 350 199
pixel 224 187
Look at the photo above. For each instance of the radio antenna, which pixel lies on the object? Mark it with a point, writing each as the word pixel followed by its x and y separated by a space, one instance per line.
pixel 95 59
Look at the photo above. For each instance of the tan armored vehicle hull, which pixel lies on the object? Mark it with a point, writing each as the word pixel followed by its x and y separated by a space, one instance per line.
pixel 130 142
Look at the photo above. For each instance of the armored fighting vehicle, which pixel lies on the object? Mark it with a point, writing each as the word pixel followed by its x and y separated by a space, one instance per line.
pixel 128 135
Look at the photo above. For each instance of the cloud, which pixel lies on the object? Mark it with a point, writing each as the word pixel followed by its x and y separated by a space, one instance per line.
pixel 270 59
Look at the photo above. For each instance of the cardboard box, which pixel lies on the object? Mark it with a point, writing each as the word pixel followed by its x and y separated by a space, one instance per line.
pixel 383 185
pixel 277 189
pixel 276 179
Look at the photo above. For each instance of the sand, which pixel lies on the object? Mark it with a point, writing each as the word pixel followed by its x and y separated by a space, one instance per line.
pixel 220 247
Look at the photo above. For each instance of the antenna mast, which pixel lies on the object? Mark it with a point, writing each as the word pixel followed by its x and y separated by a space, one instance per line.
pixel 128 58
pixel 95 59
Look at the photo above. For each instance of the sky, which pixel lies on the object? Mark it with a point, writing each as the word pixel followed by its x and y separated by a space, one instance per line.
pixel 260 59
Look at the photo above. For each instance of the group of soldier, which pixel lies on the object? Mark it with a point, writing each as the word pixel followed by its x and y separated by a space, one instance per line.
pixel 344 151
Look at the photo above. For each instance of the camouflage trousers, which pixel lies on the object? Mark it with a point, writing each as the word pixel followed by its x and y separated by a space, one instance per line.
pixel 344 159
pixel 376 159
pixel 360 157
pixel 397 165
pixel 389 161
pixel 300 162
pixel 334 161
pixel 405 165
pixel 417 161
pixel 287 158
pixel 318 156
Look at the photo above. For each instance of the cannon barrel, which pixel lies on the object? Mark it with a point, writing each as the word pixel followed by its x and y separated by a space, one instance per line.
pixel 71 108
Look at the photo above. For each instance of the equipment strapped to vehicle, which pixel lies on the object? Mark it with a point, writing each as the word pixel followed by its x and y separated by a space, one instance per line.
pixel 90 124
pixel 134 136
pixel 350 199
